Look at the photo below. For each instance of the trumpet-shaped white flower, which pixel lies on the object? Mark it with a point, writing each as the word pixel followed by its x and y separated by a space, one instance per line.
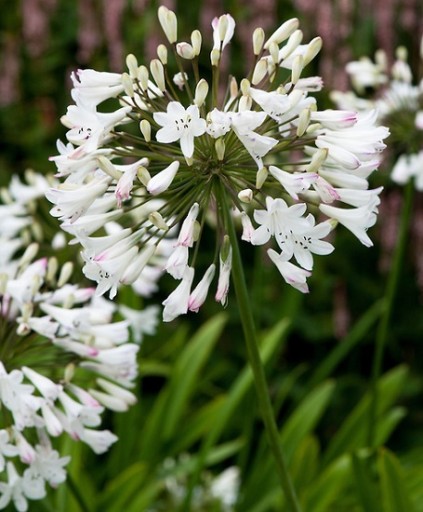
pixel 180 124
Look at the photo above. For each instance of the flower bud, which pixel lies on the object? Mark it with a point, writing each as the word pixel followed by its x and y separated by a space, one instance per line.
pixel 196 40
pixel 52 266
pixel 199 294
pixel 317 160
pixel 260 71
pixel 169 23
pixel 233 88
pixel 162 180
pixel 157 220
pixel 143 77
pixel 145 128
pixel 314 47
pixel 303 121
pixel 162 54
pixel 128 85
pixel 297 68
pixel 65 273
pixel 132 65
pixel 201 92
pixel 37 231
pixel 157 71
pixel 3 283
pixel 185 50
pixel 274 52
pixel 293 42
pixel 106 166
pixel 245 86
pixel 219 146
pixel 246 195
pixel 261 177
pixel 245 103
pixel 143 176
pixel 283 32
pixel 29 254
pixel 69 372
pixel 215 57
pixel 258 40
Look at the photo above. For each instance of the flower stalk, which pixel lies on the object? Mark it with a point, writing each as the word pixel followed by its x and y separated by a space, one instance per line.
pixel 389 297
pixel 248 325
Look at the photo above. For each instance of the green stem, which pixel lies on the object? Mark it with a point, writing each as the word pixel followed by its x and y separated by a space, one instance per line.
pixel 248 326
pixel 388 300
pixel 76 494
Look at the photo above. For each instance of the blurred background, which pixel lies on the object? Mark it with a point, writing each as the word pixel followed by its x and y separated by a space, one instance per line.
pixel 42 41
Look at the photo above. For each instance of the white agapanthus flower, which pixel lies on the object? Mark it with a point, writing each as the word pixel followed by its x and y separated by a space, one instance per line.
pixel 64 357
pixel 397 98
pixel 265 155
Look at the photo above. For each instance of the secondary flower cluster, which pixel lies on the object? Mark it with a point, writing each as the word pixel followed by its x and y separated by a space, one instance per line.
pixel 63 359
pixel 397 94
pixel 180 153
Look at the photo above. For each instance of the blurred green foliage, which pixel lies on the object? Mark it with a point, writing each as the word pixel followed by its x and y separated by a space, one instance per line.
pixel 196 398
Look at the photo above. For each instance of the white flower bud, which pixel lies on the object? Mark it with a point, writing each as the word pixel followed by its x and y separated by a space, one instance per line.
pixel 132 65
pixel 162 180
pixel 37 231
pixel 69 372
pixel 106 166
pixel 220 149
pixel 143 176
pixel 196 40
pixel 185 50
pixel 245 86
pixel 65 273
pixel 162 54
pixel 3 283
pixel 297 68
pixel 180 79
pixel 29 254
pixel 261 177
pixel 258 40
pixel 143 77
pixel 128 85
pixel 145 128
pixel 245 103
pixel 274 52
pixel 293 42
pixel 52 266
pixel 283 32
pixel 201 92
pixel 246 195
pixel 317 160
pixel 169 23
pixel 157 71
pixel 233 88
pixel 303 121
pixel 215 57
pixel 260 71
pixel 199 294
pixel 157 219
pixel 314 47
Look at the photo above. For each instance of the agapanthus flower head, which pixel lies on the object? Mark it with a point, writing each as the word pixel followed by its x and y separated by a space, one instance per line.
pixel 177 154
pixel 64 358
pixel 396 93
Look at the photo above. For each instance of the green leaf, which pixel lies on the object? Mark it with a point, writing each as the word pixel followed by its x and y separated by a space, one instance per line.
pixel 353 433
pixel 305 417
pixel 394 492
pixel 187 369
pixel 329 486
pixel 365 482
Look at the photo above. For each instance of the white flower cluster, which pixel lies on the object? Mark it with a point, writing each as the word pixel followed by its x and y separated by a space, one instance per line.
pixel 56 339
pixel 397 95
pixel 184 151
